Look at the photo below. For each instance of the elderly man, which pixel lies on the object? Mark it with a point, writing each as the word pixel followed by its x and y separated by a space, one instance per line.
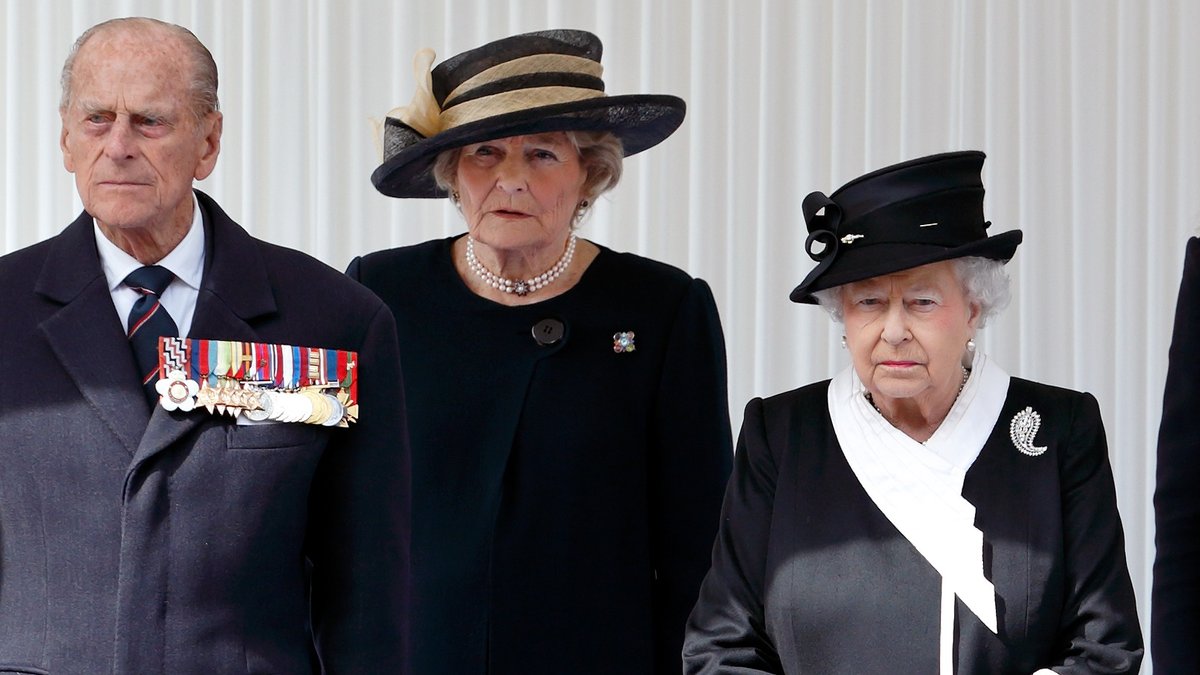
pixel 217 503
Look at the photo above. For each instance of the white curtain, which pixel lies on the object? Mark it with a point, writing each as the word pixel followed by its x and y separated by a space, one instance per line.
pixel 1087 111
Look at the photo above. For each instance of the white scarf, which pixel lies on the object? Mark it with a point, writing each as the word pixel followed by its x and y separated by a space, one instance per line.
pixel 918 486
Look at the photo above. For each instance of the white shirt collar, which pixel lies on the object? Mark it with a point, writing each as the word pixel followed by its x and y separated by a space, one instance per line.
pixel 186 260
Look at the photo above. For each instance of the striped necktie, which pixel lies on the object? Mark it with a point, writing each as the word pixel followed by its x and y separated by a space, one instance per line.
pixel 148 321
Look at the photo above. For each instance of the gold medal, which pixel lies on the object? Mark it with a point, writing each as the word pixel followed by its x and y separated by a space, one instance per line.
pixel 207 396
pixel 225 399
pixel 320 409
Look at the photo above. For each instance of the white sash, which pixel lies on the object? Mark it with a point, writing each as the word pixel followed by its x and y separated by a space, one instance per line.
pixel 918 486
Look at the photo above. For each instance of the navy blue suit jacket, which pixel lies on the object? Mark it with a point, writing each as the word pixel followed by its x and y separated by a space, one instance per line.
pixel 139 541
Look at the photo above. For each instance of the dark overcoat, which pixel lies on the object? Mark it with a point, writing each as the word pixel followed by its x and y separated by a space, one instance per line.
pixel 1175 600
pixel 565 493
pixel 139 541
pixel 809 576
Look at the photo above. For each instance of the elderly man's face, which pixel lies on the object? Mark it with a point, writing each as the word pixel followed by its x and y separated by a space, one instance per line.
pixel 129 134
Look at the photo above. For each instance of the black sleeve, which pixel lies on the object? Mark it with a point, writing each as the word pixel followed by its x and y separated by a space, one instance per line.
pixel 1175 599
pixel 1100 632
pixel 359 522
pixel 693 453
pixel 726 633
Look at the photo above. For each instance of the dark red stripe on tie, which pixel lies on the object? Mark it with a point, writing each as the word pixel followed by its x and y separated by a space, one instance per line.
pixel 148 321
pixel 145 319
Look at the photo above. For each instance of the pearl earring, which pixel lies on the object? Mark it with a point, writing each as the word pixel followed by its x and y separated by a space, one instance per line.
pixel 581 210
pixel 971 345
pixel 843 342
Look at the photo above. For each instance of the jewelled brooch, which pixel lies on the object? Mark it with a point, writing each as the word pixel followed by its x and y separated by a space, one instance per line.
pixel 623 342
pixel 1023 430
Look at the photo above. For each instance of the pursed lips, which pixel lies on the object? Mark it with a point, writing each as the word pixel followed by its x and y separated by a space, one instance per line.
pixel 899 364
pixel 508 213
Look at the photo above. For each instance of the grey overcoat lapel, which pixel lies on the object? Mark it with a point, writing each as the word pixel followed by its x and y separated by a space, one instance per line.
pixel 86 334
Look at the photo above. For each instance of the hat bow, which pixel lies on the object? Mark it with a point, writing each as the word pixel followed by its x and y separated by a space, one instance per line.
pixel 823 216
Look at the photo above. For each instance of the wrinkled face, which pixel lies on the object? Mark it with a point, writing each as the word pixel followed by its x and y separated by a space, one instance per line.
pixel 520 192
pixel 907 332
pixel 129 134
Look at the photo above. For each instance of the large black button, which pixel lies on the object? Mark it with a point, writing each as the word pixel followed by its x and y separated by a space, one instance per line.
pixel 548 331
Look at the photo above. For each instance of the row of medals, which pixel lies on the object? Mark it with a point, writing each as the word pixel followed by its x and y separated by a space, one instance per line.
pixel 310 405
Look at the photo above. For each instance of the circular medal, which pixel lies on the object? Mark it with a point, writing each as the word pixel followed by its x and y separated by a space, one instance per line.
pixel 336 410
pixel 177 392
pixel 320 409
pixel 301 408
pixel 283 407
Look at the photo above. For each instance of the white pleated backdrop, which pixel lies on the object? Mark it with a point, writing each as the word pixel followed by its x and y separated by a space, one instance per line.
pixel 1087 111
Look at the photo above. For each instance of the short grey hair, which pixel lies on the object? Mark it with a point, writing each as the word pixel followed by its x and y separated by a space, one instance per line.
pixel 204 69
pixel 600 153
pixel 984 280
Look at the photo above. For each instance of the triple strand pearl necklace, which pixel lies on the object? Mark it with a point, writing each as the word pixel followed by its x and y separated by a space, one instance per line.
pixel 519 287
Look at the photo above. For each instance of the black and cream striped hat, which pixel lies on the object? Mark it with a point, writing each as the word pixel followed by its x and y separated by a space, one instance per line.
pixel 524 84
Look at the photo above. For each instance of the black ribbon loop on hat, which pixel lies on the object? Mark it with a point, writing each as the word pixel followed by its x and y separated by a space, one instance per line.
pixel 825 256
pixel 822 228
pixel 829 220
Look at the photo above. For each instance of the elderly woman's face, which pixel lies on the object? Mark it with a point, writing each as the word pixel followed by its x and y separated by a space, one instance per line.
pixel 520 192
pixel 907 332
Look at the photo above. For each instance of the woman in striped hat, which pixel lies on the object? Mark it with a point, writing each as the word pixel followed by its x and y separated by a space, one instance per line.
pixel 567 403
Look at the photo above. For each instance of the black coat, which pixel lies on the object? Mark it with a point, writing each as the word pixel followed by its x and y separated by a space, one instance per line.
pixel 565 496
pixel 810 577
pixel 1175 600
pixel 139 542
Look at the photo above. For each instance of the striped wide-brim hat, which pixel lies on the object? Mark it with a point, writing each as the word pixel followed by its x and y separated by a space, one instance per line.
pixel 524 84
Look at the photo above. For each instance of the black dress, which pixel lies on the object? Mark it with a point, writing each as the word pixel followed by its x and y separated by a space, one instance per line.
pixel 809 576
pixel 565 494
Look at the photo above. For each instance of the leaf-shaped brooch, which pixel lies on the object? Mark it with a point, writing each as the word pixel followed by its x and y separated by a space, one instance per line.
pixel 1023 430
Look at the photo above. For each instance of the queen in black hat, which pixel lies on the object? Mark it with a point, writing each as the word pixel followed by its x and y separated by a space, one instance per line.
pixel 567 402
pixel 923 511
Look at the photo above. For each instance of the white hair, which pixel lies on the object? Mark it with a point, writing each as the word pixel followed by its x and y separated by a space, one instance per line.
pixel 203 84
pixel 984 281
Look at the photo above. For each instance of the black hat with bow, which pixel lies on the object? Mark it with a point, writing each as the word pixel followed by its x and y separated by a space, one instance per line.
pixel 906 215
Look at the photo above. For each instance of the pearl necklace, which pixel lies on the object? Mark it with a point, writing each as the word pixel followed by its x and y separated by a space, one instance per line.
pixel 966 374
pixel 521 288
